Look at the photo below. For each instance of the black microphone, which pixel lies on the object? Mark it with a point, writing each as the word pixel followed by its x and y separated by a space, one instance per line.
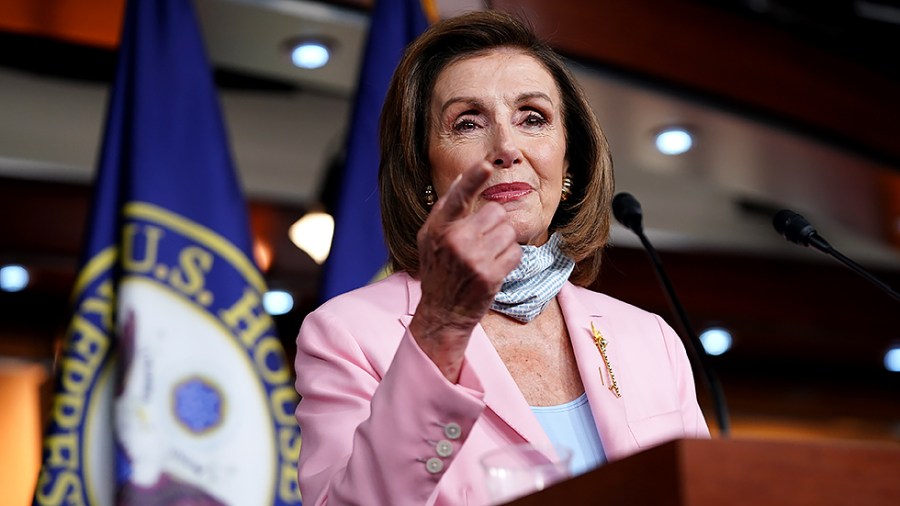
pixel 627 211
pixel 797 229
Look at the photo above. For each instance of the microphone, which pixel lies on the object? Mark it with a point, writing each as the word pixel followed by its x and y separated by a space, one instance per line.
pixel 797 229
pixel 627 211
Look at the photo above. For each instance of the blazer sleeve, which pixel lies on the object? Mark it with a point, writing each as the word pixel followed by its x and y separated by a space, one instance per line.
pixel 369 438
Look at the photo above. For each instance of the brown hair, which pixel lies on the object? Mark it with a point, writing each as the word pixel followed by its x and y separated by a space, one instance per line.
pixel 404 171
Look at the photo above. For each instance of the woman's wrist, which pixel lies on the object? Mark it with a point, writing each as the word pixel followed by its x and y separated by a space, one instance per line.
pixel 442 339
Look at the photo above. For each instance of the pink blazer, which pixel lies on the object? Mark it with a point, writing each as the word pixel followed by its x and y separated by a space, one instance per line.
pixel 374 408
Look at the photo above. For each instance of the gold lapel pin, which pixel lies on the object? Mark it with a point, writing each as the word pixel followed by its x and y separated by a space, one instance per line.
pixel 601 343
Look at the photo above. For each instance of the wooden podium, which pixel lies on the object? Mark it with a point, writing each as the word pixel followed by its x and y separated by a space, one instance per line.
pixel 737 472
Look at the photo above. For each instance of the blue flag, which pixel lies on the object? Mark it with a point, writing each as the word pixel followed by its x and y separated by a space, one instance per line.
pixel 358 252
pixel 172 385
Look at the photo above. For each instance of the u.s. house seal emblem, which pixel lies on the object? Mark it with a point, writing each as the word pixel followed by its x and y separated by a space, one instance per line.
pixel 201 399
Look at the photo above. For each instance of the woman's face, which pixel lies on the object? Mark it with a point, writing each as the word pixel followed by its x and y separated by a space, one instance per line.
pixel 502 109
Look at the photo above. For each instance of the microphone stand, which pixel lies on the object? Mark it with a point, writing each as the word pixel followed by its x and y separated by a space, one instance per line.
pixel 694 345
pixel 820 244
pixel 796 229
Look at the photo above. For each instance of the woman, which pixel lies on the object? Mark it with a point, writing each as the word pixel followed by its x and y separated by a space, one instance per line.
pixel 496 184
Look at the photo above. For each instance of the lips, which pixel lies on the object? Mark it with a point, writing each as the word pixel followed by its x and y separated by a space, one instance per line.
pixel 505 192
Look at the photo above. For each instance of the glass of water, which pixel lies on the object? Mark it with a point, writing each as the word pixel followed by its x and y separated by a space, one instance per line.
pixel 517 470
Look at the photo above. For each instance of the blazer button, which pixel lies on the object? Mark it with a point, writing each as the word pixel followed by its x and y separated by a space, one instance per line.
pixel 444 448
pixel 452 430
pixel 434 465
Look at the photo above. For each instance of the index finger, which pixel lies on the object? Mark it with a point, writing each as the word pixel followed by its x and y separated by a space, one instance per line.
pixel 462 193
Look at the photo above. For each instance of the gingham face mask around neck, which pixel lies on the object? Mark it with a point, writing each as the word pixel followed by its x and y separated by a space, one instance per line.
pixel 540 275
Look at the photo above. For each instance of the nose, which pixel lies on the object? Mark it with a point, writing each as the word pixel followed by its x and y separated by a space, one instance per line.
pixel 505 152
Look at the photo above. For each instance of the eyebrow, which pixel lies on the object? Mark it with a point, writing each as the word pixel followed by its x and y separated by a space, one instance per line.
pixel 524 97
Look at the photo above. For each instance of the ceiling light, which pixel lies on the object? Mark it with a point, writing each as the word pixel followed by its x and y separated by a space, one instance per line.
pixel 310 54
pixel 312 233
pixel 674 141
pixel 13 278
pixel 892 359
pixel 716 340
pixel 278 302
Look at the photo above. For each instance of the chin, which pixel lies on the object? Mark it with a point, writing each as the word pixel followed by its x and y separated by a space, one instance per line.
pixel 533 238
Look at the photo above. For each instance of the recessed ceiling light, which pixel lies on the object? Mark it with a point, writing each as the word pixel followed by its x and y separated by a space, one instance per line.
pixel 13 278
pixel 310 54
pixel 674 141
pixel 278 302
pixel 892 359
pixel 716 340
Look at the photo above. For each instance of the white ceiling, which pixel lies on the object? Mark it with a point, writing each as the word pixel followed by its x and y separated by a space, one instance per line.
pixel 283 140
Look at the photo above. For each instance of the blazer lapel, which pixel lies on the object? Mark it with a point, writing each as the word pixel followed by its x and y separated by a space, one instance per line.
pixel 607 408
pixel 501 394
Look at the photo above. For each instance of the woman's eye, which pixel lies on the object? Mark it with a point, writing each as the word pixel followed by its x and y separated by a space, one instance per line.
pixel 465 125
pixel 534 120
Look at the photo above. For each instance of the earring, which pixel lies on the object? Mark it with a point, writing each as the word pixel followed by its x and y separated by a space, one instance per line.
pixel 566 187
pixel 429 196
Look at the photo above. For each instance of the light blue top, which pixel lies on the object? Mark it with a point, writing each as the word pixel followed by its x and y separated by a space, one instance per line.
pixel 572 425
